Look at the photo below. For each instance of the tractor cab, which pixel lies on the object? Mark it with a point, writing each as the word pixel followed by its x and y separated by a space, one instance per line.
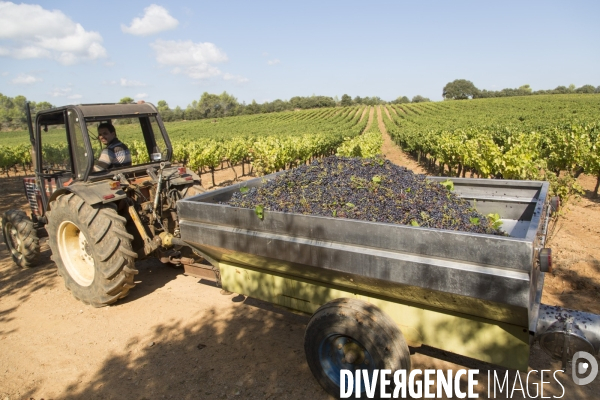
pixel 66 147
pixel 100 220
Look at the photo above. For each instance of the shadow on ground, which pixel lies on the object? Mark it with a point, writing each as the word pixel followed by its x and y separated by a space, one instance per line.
pixel 23 282
pixel 218 355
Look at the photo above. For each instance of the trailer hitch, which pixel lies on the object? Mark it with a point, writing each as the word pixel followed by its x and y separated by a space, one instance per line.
pixel 192 266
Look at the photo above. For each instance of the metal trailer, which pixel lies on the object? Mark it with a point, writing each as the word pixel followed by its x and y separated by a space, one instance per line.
pixel 371 285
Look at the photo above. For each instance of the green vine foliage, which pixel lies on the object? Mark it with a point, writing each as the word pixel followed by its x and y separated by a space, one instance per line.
pixel 555 138
pixel 552 138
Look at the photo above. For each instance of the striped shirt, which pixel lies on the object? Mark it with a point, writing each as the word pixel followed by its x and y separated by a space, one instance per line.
pixel 115 155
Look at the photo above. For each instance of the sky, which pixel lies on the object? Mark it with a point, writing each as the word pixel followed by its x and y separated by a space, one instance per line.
pixel 73 52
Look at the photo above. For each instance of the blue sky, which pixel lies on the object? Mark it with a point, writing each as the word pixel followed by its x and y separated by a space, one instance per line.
pixel 90 52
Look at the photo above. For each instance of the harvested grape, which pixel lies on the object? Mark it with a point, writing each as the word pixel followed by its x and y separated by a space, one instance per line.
pixel 365 189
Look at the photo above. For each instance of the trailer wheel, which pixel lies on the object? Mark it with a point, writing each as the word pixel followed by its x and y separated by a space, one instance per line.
pixel 352 334
pixel 21 238
pixel 91 249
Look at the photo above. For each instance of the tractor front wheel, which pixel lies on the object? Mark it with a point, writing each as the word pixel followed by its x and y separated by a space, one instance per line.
pixel 91 249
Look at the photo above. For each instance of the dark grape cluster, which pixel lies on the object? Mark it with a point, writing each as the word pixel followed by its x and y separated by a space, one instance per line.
pixel 365 189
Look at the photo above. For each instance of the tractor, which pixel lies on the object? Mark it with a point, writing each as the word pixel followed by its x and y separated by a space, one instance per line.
pixel 98 223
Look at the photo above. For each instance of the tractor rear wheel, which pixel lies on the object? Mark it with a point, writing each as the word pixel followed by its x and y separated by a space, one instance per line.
pixel 21 238
pixel 91 249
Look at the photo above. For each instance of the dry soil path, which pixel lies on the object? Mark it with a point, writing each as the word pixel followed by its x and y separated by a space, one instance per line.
pixel 392 152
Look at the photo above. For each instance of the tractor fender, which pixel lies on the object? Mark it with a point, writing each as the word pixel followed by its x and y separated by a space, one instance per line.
pixel 91 193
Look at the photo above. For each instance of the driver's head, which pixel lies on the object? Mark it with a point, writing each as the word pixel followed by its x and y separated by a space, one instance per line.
pixel 106 132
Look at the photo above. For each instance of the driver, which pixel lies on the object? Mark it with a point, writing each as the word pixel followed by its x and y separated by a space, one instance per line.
pixel 115 154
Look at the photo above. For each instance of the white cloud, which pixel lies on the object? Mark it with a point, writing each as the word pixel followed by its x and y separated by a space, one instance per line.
pixel 195 60
pixel 273 62
pixel 5 73
pixel 141 96
pixel 124 83
pixel 34 32
pixel 23 79
pixel 187 53
pixel 60 92
pixel 156 19
pixel 129 83
pixel 65 92
pixel 237 78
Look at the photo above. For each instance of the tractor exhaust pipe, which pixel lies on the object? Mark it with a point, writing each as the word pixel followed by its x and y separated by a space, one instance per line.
pixel 31 136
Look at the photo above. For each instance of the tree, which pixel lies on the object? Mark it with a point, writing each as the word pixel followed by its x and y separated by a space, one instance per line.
pixel 279 105
pixel 228 105
pixel 165 112
pixel 420 99
pixel 586 89
pixel 372 101
pixel 191 112
pixel 126 100
pixel 346 100
pixel 485 94
pixel 42 105
pixel 215 106
pixel 178 114
pixel 296 102
pixel 459 89
pixel 208 106
pixel 401 100
pixel 561 90
pixel 252 108
pixel 525 90
pixel 312 102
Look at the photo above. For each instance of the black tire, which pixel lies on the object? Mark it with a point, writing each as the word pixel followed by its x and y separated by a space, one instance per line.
pixel 91 249
pixel 20 236
pixel 357 330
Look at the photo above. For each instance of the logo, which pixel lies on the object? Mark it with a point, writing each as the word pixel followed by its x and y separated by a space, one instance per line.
pixel 581 367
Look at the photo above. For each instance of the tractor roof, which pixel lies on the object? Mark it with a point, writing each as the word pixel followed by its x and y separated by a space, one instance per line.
pixel 102 111
pixel 115 110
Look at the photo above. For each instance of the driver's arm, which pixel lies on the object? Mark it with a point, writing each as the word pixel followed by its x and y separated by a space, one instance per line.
pixel 104 162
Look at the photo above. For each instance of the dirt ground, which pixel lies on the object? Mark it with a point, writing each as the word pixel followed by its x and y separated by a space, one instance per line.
pixel 176 336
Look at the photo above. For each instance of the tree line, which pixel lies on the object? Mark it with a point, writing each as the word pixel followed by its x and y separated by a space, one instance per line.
pixel 462 89
pixel 13 116
pixel 12 110
pixel 226 105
